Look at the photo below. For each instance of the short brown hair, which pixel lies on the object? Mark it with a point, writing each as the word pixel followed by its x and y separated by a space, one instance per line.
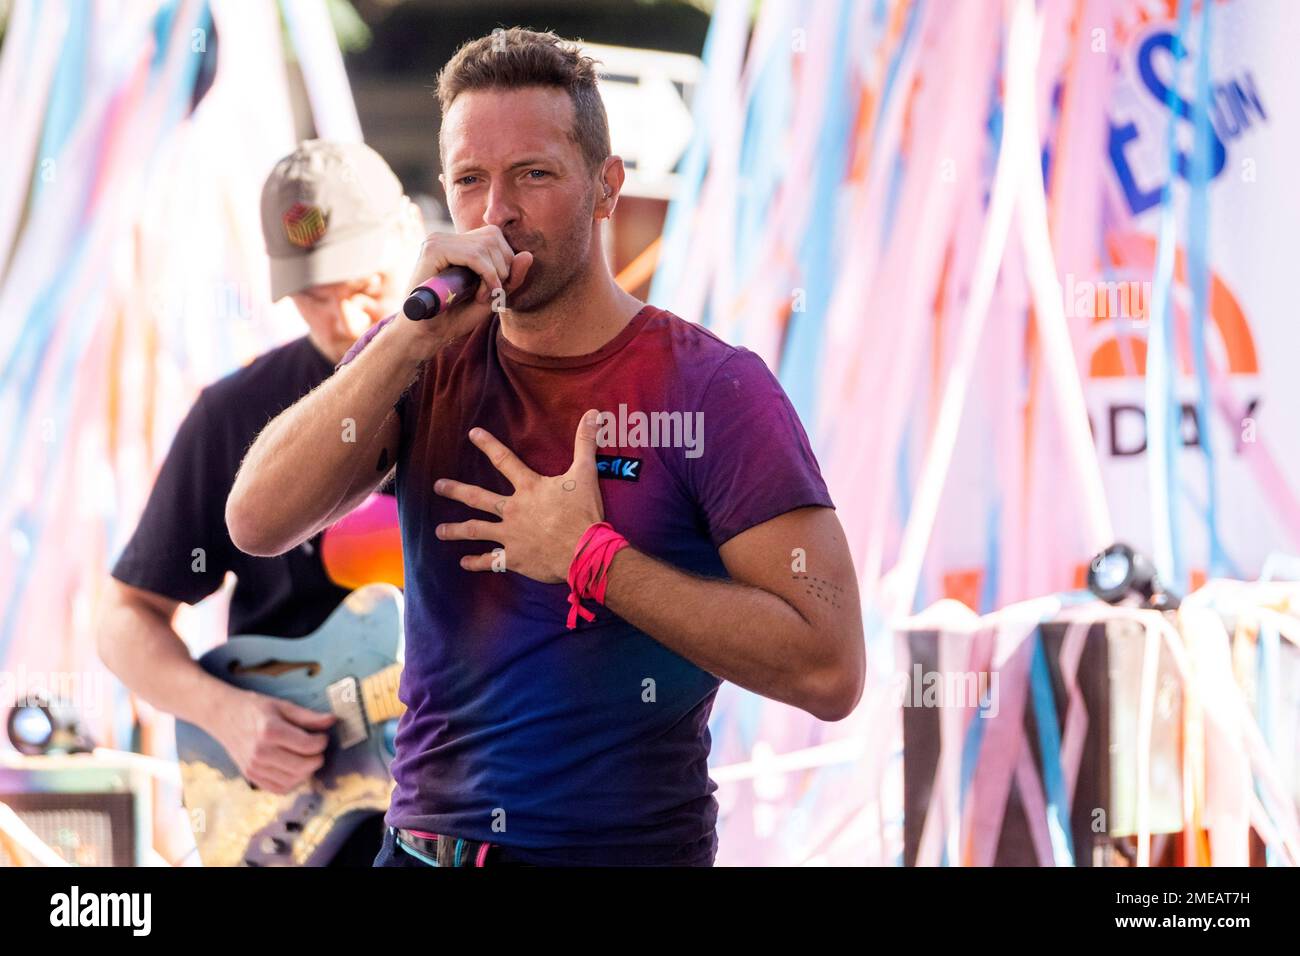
pixel 516 58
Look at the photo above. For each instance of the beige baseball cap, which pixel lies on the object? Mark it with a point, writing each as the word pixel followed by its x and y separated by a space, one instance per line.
pixel 328 213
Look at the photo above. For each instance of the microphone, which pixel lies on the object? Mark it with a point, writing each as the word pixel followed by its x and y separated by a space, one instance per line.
pixel 434 295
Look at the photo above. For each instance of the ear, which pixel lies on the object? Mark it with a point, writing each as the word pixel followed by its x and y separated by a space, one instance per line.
pixel 612 176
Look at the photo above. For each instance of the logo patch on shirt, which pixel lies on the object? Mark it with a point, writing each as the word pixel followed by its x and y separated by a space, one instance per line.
pixel 619 467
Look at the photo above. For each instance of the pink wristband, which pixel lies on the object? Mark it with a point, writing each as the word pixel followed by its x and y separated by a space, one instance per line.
pixel 588 570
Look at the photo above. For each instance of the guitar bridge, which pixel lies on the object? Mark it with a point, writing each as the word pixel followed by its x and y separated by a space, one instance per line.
pixel 345 702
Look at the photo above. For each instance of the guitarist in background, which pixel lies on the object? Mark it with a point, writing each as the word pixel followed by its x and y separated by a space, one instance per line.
pixel 341 235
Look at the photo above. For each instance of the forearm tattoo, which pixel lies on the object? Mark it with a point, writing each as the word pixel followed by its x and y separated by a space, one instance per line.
pixel 822 589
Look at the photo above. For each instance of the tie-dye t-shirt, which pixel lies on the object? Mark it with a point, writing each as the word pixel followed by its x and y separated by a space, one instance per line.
pixel 587 746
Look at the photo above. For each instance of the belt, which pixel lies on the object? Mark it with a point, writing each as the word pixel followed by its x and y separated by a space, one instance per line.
pixel 440 849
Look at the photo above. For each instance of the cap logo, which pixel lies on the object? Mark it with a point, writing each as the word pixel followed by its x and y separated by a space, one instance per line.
pixel 304 224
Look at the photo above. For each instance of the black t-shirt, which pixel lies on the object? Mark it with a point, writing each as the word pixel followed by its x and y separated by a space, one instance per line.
pixel 290 595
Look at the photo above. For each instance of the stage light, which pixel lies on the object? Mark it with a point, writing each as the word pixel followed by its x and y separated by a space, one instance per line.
pixel 37 726
pixel 1120 572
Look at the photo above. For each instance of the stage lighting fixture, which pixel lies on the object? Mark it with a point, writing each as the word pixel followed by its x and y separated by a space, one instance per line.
pixel 37 726
pixel 1120 572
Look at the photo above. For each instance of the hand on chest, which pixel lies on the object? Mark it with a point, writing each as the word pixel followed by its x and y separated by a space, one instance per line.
pixel 640 460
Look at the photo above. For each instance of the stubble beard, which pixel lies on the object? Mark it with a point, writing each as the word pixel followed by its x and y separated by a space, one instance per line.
pixel 557 265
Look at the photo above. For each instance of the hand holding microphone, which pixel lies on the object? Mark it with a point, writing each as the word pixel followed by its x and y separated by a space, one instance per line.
pixel 434 295
pixel 452 264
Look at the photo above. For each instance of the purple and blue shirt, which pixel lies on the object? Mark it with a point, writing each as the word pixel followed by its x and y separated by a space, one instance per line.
pixel 587 746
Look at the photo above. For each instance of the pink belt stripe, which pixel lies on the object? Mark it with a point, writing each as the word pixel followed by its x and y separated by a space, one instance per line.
pixel 479 860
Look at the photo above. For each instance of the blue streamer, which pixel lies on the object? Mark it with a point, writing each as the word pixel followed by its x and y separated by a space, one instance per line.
pixel 1049 747
pixel 1164 444
pixel 800 360
pixel 970 754
pixel 67 91
pixel 762 162
pixel 992 569
pixel 1198 275
pixel 890 86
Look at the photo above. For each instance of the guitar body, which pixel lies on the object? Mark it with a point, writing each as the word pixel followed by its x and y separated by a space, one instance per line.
pixel 349 667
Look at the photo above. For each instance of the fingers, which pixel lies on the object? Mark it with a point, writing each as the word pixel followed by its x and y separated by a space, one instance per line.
pixel 501 259
pixel 514 276
pixel 281 771
pixel 270 780
pixel 286 736
pixel 472 530
pixel 490 269
pixel 494 237
pixel 502 458
pixel 501 271
pixel 482 562
pixel 518 271
pixel 282 743
pixel 495 250
pixel 483 250
pixel 283 734
pixel 304 716
pixel 430 260
pixel 584 446
pixel 471 495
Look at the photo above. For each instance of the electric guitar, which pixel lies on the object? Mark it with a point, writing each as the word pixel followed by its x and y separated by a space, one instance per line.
pixel 349 667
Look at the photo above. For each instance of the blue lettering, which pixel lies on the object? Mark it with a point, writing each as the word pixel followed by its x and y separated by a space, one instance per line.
pixel 1234 101
pixel 1165 94
pixel 1139 199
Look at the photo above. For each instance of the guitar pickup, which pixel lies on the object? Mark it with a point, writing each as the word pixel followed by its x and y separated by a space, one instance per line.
pixel 345 701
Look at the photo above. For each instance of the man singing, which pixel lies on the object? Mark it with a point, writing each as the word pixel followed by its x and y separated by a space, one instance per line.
pixel 577 585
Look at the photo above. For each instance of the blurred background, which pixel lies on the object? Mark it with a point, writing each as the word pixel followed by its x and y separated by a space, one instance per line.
pixel 1023 267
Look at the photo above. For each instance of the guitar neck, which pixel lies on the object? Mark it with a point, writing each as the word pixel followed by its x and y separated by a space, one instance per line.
pixel 379 694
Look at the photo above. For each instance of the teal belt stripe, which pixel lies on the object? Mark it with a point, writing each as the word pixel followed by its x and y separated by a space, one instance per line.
pixel 416 853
